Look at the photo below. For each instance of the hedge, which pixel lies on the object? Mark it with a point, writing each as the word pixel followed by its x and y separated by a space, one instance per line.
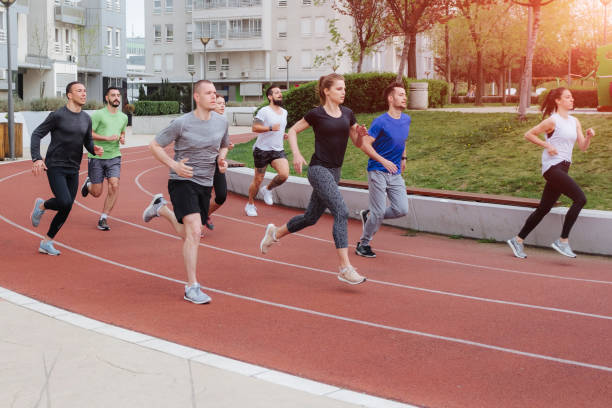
pixel 150 108
pixel 363 94
pixel 582 98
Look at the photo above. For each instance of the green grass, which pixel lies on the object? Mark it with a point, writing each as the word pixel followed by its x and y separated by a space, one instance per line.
pixel 482 153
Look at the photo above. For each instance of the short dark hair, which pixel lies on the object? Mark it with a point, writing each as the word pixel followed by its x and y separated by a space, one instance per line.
pixel 269 90
pixel 391 87
pixel 197 85
pixel 111 88
pixel 69 86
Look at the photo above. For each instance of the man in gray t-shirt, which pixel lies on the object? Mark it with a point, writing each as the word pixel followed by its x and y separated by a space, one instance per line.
pixel 200 137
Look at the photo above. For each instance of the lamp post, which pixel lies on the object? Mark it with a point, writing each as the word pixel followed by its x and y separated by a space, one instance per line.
pixel 11 115
pixel 192 73
pixel 605 21
pixel 287 58
pixel 205 41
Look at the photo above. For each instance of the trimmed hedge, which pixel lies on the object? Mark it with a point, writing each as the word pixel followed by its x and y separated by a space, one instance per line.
pixel 363 94
pixel 582 98
pixel 47 104
pixel 491 99
pixel 151 108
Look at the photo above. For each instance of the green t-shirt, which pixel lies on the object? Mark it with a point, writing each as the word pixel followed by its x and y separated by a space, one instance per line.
pixel 107 124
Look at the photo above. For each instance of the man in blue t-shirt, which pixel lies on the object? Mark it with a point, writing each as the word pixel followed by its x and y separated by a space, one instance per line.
pixel 387 137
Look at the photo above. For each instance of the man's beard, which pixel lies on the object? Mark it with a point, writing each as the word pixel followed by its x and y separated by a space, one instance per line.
pixel 114 104
pixel 277 102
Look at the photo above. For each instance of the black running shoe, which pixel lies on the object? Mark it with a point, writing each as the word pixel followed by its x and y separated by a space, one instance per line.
pixel 365 251
pixel 84 188
pixel 209 224
pixel 103 225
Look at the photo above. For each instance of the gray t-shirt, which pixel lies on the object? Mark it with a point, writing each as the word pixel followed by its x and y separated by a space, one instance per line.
pixel 198 140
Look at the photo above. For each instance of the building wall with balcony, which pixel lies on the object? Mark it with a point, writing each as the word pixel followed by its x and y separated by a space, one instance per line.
pixel 15 10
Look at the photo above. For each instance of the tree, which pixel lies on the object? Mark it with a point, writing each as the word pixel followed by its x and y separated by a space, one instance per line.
pixel 335 51
pixel 40 42
pixel 411 17
pixel 368 27
pixel 535 9
pixel 88 45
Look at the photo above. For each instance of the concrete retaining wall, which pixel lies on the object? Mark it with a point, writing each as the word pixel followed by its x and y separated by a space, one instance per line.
pixel 151 125
pixel 591 234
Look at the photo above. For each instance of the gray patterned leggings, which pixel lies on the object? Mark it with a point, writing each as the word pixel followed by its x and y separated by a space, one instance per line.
pixel 325 194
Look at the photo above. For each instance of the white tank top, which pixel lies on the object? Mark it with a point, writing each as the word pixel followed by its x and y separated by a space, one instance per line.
pixel 563 139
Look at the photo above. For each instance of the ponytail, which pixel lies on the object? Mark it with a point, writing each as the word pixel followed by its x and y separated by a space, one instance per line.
pixel 549 106
pixel 326 82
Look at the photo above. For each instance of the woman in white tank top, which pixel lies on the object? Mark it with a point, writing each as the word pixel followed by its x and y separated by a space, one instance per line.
pixel 562 132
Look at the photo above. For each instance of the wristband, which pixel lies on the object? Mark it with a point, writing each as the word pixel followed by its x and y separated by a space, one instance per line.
pixel 270 128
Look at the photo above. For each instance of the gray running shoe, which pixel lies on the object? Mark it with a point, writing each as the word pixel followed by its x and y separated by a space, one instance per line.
pixel 517 248
pixel 195 295
pixel 563 248
pixel 85 187
pixel 268 239
pixel 47 248
pixel 37 212
pixel 349 275
pixel 152 210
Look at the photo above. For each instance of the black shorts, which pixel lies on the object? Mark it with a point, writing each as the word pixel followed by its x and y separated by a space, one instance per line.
pixel 264 157
pixel 189 198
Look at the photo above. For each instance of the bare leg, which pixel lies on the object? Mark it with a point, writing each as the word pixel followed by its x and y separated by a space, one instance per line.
pixel 168 214
pixel 192 229
pixel 282 168
pixel 260 172
pixel 95 189
pixel 111 195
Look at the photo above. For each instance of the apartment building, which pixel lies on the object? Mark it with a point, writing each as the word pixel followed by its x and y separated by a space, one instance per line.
pixel 17 12
pixel 59 41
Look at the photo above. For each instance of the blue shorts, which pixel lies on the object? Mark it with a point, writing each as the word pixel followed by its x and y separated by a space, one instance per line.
pixel 99 169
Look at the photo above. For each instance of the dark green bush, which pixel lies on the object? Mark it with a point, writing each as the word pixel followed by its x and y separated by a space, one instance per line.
pixel 150 108
pixel 363 94
pixel 583 98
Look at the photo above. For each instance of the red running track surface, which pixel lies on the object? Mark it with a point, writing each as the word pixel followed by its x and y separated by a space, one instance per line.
pixel 439 323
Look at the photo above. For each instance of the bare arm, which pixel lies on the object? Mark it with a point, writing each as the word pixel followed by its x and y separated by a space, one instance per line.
pixel 259 127
pixel 179 168
pixel 546 126
pixel 583 141
pixel 298 159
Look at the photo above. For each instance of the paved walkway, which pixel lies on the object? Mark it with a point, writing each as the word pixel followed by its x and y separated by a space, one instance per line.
pixel 513 109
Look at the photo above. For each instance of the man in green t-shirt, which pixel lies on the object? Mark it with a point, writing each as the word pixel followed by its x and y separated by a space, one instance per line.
pixel 108 130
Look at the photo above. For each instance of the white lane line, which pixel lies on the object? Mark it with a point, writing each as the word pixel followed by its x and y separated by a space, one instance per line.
pixel 207 358
pixel 427 258
pixel 331 316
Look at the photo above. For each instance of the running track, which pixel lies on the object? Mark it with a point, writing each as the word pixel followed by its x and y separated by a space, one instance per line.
pixel 440 322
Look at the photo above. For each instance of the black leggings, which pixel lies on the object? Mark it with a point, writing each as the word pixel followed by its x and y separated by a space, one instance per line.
pixel 64 183
pixel 557 182
pixel 220 186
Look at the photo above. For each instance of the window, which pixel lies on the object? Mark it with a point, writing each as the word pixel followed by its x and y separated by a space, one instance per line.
pixel 117 43
pixel 169 33
pixel 306 27
pixel 212 65
pixel 189 32
pixel 118 6
pixel 157 6
pixel 280 60
pixel 157 62
pixel 320 26
pixel 225 64
pixel 211 29
pixel 109 4
pixel 2 27
pixel 109 40
pixel 67 40
pixel 281 26
pixel 245 28
pixel 58 41
pixel 188 6
pixel 157 30
pixel 169 6
pixel 282 3
pixel 306 2
pixel 306 59
pixel 169 63
pixel 190 62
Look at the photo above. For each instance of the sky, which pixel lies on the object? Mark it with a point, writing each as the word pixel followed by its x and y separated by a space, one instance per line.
pixel 134 17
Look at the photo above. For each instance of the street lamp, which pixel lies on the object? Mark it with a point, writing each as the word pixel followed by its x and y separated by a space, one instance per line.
pixel 605 4
pixel 287 58
pixel 205 41
pixel 191 71
pixel 11 115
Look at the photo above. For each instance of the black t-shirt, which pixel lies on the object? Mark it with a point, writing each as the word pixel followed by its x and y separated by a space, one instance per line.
pixel 331 136
pixel 70 131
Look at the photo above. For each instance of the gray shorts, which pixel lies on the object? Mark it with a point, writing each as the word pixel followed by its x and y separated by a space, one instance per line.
pixel 99 169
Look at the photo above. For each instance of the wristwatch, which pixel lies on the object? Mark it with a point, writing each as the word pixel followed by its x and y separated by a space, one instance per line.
pixel 270 127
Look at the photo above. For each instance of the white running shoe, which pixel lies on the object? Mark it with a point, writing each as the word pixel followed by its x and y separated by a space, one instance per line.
pixel 268 239
pixel 250 210
pixel 267 195
pixel 349 275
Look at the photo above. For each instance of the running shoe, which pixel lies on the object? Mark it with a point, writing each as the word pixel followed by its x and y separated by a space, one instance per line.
pixel 563 248
pixel 517 248
pixel 37 212
pixel 365 251
pixel 268 239
pixel 46 247
pixel 85 188
pixel 152 210
pixel 195 295
pixel 103 224
pixel 208 223
pixel 250 210
pixel 349 275
pixel 363 215
pixel 267 195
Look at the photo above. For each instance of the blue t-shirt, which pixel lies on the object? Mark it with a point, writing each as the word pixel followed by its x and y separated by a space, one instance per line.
pixel 389 139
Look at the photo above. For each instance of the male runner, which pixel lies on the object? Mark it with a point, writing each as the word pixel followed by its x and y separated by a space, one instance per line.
pixel 387 137
pixel 108 130
pixel 270 123
pixel 200 138
pixel 70 129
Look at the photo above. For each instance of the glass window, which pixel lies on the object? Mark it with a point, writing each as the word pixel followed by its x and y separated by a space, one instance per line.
pixel 157 30
pixel 169 63
pixel 188 6
pixel 225 64
pixel 169 32
pixel 306 59
pixel 306 26
pixel 306 2
pixel 282 28
pixel 282 3
pixel 212 65
pixel 117 42
pixel 157 62
pixel 157 6
pixel 169 5
pixel 320 26
pixel 189 32
pixel 190 60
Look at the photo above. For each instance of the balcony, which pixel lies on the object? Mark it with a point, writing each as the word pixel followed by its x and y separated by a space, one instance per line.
pixel 70 14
